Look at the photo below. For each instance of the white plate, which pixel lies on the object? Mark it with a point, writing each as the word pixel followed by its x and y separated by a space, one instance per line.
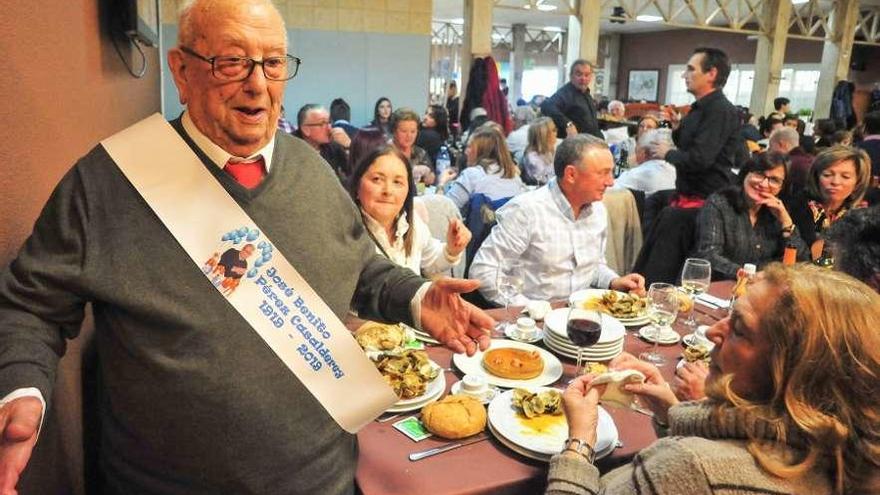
pixel 604 356
pixel 567 344
pixel 432 392
pixel 649 333
pixel 534 455
pixel 690 342
pixel 510 333
pixel 578 297
pixel 507 422
pixel 474 364
pixel 485 398
pixel 557 320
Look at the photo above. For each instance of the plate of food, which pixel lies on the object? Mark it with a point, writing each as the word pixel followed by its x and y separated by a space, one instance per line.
pixel 532 419
pixel 629 309
pixel 510 364
pixel 414 378
pixel 379 338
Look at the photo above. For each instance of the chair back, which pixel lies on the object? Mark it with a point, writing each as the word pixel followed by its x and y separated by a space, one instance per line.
pixel 479 218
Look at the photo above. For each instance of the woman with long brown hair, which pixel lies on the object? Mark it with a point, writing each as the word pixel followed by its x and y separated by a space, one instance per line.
pixel 792 405
pixel 491 170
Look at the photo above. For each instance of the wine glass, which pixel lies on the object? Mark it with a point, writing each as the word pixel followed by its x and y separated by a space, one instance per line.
pixel 583 331
pixel 509 283
pixel 662 309
pixel 695 278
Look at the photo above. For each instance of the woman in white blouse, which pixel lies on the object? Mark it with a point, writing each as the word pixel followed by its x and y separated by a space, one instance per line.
pixel 382 186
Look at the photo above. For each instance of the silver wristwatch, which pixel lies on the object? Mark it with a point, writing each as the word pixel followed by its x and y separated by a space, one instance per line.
pixel 581 447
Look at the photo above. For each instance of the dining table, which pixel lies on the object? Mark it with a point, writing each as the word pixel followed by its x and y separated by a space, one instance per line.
pixel 488 467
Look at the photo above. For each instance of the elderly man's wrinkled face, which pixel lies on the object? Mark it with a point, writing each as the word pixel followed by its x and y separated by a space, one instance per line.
pixel 316 126
pixel 239 116
pixel 590 178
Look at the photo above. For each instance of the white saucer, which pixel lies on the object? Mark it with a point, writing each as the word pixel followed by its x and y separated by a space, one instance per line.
pixel 649 333
pixel 486 397
pixel 510 333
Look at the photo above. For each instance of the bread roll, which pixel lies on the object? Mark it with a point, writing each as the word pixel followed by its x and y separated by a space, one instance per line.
pixel 456 416
pixel 515 364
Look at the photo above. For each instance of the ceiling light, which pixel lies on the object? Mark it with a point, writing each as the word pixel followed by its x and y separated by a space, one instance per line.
pixel 798 2
pixel 543 7
pixel 649 18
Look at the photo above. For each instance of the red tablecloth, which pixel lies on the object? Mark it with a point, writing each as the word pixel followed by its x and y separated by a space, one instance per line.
pixel 488 467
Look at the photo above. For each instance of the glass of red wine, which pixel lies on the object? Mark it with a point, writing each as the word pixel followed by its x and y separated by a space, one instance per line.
pixel 583 331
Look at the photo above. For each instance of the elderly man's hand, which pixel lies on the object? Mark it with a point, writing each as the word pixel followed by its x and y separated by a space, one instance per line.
pixel 456 323
pixel 632 282
pixel 19 421
pixel 339 135
pixel 659 149
pixel 690 381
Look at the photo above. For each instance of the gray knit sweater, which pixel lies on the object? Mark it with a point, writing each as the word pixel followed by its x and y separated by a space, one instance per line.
pixel 194 402
pixel 700 458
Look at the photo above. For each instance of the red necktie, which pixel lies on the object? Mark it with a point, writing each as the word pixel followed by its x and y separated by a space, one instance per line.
pixel 249 174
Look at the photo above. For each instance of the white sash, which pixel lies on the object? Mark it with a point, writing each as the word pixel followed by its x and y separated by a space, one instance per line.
pixel 271 295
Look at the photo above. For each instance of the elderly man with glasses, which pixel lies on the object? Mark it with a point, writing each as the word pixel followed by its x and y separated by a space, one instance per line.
pixel 193 401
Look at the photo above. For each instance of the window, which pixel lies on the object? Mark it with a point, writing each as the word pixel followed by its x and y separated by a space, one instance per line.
pixel 799 82
pixel 540 81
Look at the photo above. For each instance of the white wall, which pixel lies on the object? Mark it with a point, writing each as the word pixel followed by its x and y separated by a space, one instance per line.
pixel 357 66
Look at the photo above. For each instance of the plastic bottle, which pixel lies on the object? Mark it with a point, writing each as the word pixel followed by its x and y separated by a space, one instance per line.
pixel 443 160
pixel 743 279
pixel 789 255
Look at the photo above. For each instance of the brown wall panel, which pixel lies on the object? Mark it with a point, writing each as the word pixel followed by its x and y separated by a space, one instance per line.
pixel 63 89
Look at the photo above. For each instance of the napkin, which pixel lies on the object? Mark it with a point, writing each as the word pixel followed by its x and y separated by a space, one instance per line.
pixel 710 300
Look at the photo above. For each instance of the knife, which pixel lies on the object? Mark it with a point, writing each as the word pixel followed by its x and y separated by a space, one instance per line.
pixel 416 456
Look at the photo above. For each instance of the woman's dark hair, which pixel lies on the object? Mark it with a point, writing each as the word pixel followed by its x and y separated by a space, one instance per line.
pixel 735 194
pixel 441 117
pixel 364 142
pixel 361 168
pixel 377 122
pixel 825 127
pixel 856 241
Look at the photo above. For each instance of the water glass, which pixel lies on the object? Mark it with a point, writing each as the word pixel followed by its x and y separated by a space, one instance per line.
pixel 696 275
pixel 663 307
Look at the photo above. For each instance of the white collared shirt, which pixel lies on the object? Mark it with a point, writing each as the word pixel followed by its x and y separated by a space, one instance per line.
pixel 428 255
pixel 560 253
pixel 218 155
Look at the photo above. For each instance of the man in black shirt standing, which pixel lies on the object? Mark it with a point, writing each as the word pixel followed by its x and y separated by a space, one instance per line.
pixel 571 107
pixel 708 139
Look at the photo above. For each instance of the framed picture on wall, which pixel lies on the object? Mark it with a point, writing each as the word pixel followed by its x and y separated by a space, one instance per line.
pixel 643 85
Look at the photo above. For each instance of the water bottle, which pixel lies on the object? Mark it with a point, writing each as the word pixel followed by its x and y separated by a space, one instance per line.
pixel 443 160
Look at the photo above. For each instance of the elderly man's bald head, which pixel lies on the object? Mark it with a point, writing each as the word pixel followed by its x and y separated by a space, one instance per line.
pixel 240 116
pixel 195 16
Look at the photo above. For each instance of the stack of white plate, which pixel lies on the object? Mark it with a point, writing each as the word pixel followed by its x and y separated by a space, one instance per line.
pixel 514 433
pixel 433 390
pixel 609 346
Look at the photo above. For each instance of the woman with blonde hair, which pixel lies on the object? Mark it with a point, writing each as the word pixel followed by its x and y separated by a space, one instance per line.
pixel 792 404
pixel 837 183
pixel 491 170
pixel 537 161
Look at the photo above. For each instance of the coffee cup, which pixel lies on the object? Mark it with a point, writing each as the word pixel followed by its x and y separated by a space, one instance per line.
pixel 526 329
pixel 474 385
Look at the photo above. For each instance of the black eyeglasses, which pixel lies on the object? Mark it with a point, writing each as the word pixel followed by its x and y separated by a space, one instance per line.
pixel 231 68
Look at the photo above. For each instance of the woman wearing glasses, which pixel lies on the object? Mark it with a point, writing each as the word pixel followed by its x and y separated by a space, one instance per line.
pixel 747 222
pixel 837 183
